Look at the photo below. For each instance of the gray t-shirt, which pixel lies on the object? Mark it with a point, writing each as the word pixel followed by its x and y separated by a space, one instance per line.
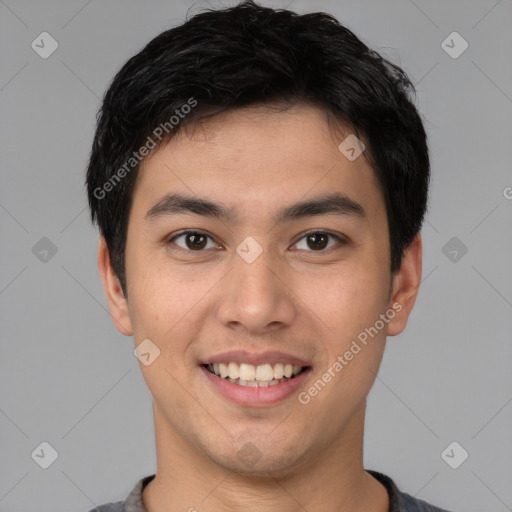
pixel 399 501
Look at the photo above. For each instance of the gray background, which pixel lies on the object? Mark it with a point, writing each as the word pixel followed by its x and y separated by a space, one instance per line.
pixel 67 377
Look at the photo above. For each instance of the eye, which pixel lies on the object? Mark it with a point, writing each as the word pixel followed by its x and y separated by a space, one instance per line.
pixel 193 241
pixel 197 241
pixel 318 241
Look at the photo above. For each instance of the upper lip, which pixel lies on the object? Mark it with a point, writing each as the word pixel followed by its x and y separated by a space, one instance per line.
pixel 256 359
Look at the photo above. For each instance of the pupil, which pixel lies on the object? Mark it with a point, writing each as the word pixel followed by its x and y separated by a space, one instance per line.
pixel 197 241
pixel 315 242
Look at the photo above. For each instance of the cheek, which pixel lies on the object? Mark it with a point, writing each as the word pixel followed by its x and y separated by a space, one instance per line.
pixel 151 289
pixel 167 305
pixel 346 300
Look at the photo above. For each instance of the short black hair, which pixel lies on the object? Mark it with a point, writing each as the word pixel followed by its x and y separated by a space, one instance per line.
pixel 248 55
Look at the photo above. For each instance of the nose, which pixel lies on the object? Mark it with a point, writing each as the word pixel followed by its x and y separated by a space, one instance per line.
pixel 255 297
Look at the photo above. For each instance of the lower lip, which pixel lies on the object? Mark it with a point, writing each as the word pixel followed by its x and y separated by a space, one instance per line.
pixel 243 395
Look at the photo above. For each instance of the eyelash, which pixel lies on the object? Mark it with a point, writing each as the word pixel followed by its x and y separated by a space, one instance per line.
pixel 341 241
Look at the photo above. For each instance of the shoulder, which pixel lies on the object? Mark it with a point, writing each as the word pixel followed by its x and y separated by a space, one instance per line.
pixel 411 504
pixel 133 503
pixel 118 506
pixel 400 501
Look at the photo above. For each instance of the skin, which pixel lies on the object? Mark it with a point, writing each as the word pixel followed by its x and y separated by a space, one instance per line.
pixel 296 298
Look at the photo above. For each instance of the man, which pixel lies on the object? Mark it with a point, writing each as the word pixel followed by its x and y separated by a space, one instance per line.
pixel 259 179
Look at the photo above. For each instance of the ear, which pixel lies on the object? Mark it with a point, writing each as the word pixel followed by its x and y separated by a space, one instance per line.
pixel 117 302
pixel 405 286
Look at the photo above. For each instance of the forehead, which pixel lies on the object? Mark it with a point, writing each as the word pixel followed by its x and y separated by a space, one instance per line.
pixel 253 159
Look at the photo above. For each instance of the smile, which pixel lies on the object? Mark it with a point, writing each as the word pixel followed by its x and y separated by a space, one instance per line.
pixel 249 375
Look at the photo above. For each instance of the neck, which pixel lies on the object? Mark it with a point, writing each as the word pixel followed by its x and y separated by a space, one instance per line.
pixel 330 481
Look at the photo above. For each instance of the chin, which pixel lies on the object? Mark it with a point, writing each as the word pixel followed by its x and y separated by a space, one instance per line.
pixel 251 460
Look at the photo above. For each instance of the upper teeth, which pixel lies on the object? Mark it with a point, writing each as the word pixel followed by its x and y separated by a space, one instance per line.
pixel 248 372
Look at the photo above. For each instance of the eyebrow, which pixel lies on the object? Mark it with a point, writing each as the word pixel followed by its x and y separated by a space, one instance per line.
pixel 337 204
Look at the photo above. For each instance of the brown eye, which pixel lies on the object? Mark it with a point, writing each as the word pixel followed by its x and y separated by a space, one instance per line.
pixel 192 241
pixel 318 241
pixel 195 241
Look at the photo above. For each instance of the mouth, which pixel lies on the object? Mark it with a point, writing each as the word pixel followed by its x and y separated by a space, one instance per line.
pixel 251 379
pixel 255 376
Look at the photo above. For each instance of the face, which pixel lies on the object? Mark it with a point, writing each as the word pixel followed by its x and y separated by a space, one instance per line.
pixel 256 248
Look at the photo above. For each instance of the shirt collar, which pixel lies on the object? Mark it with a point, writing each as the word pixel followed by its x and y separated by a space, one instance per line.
pixel 134 502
